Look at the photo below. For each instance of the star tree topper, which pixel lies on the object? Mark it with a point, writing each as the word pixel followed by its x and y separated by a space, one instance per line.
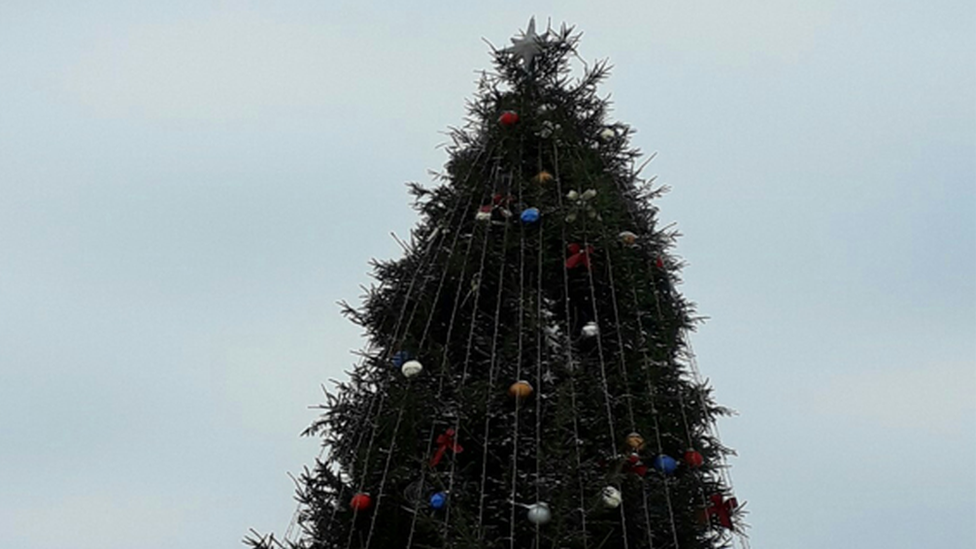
pixel 528 45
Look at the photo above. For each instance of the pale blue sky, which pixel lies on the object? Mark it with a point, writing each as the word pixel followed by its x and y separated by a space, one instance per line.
pixel 186 188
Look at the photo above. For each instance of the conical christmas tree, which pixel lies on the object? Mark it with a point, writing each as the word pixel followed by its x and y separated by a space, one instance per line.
pixel 528 381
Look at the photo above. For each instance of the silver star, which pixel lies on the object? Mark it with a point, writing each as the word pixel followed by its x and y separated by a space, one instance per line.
pixel 528 45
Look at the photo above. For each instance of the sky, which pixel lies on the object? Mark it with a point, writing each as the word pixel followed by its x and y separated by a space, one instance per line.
pixel 188 188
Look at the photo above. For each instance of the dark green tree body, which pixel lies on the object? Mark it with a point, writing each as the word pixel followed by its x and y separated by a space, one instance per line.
pixel 485 300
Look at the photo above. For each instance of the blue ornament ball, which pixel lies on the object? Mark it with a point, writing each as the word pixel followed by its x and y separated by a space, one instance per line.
pixel 399 358
pixel 665 464
pixel 530 215
pixel 438 500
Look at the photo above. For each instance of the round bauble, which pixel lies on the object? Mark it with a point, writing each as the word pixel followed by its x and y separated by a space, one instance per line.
pixel 635 442
pixel 539 513
pixel 411 368
pixel 590 329
pixel 361 502
pixel 530 215
pixel 542 177
pixel 664 464
pixel 693 459
pixel 508 119
pixel 608 134
pixel 627 238
pixel 520 389
pixel 611 497
pixel 438 500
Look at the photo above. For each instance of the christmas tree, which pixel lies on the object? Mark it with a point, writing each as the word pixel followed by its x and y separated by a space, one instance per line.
pixel 528 381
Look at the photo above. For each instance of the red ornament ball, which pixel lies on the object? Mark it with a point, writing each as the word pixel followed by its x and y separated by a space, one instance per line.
pixel 508 119
pixel 361 502
pixel 693 459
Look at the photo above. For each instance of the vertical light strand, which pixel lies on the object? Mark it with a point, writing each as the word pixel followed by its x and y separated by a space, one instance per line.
pixel 603 367
pixel 396 428
pixel 491 372
pixel 443 367
pixel 623 369
pixel 623 366
pixel 397 336
pixel 518 374
pixel 569 362
pixel 650 386
pixel 476 292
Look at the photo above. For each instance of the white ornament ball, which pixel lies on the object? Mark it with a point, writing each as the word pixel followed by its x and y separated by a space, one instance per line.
pixel 608 134
pixel 590 329
pixel 612 497
pixel 539 513
pixel 411 368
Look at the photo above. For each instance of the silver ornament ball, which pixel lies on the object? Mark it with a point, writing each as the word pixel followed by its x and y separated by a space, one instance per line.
pixel 590 329
pixel 539 513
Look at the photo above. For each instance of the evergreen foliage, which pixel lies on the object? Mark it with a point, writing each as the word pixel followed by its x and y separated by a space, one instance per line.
pixel 485 301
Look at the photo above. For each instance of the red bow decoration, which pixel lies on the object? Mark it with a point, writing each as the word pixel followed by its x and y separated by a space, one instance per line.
pixel 722 510
pixel 445 442
pixel 578 256
pixel 635 465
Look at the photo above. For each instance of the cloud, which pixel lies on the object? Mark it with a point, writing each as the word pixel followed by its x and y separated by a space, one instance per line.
pixel 936 398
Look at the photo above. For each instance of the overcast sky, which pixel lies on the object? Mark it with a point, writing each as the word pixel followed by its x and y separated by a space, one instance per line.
pixel 187 187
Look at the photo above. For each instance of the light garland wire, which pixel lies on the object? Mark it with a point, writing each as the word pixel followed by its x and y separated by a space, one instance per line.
pixel 623 368
pixel 518 376
pixel 396 428
pixel 383 394
pixel 569 364
pixel 657 431
pixel 467 360
pixel 710 426
pixel 443 366
pixel 491 375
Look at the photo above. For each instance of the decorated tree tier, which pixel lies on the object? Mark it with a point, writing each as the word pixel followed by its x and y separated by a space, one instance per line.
pixel 528 381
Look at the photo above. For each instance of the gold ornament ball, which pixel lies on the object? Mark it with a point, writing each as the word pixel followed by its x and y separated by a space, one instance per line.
pixel 543 177
pixel 635 442
pixel 520 389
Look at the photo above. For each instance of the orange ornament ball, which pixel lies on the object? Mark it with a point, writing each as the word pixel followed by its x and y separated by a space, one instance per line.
pixel 543 177
pixel 520 389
